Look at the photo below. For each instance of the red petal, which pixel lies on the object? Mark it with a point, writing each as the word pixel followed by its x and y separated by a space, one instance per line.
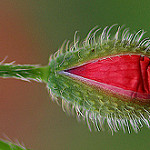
pixel 127 75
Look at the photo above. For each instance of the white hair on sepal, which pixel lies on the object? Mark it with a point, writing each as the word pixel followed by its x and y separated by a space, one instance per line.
pixel 76 40
pixel 95 39
pixel 67 46
pixel 140 36
pixel 108 31
pixel 94 36
pixel 88 37
pixel 103 35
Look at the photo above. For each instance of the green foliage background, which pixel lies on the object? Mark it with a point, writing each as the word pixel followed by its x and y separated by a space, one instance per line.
pixel 32 30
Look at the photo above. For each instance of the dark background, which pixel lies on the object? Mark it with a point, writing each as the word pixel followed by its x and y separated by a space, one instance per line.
pixel 32 30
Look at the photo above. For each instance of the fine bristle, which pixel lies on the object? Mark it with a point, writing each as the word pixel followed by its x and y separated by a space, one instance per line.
pixel 123 36
pixel 10 145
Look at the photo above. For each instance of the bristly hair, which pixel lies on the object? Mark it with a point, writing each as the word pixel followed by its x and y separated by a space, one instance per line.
pixel 123 37
pixel 97 107
pixel 10 145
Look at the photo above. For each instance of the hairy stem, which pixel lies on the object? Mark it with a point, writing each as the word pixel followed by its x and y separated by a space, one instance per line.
pixel 25 72
pixel 7 145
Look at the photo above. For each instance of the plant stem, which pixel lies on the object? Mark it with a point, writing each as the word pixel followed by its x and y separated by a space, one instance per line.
pixel 7 145
pixel 25 72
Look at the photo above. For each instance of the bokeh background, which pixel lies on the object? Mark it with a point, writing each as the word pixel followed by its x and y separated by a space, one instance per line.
pixel 29 32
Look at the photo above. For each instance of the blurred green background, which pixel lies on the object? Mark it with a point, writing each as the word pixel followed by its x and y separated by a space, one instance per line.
pixel 32 30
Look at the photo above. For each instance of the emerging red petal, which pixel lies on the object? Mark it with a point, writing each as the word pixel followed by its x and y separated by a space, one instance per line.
pixel 126 75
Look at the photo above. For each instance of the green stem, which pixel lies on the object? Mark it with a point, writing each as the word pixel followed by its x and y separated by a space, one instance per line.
pixel 7 145
pixel 25 72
